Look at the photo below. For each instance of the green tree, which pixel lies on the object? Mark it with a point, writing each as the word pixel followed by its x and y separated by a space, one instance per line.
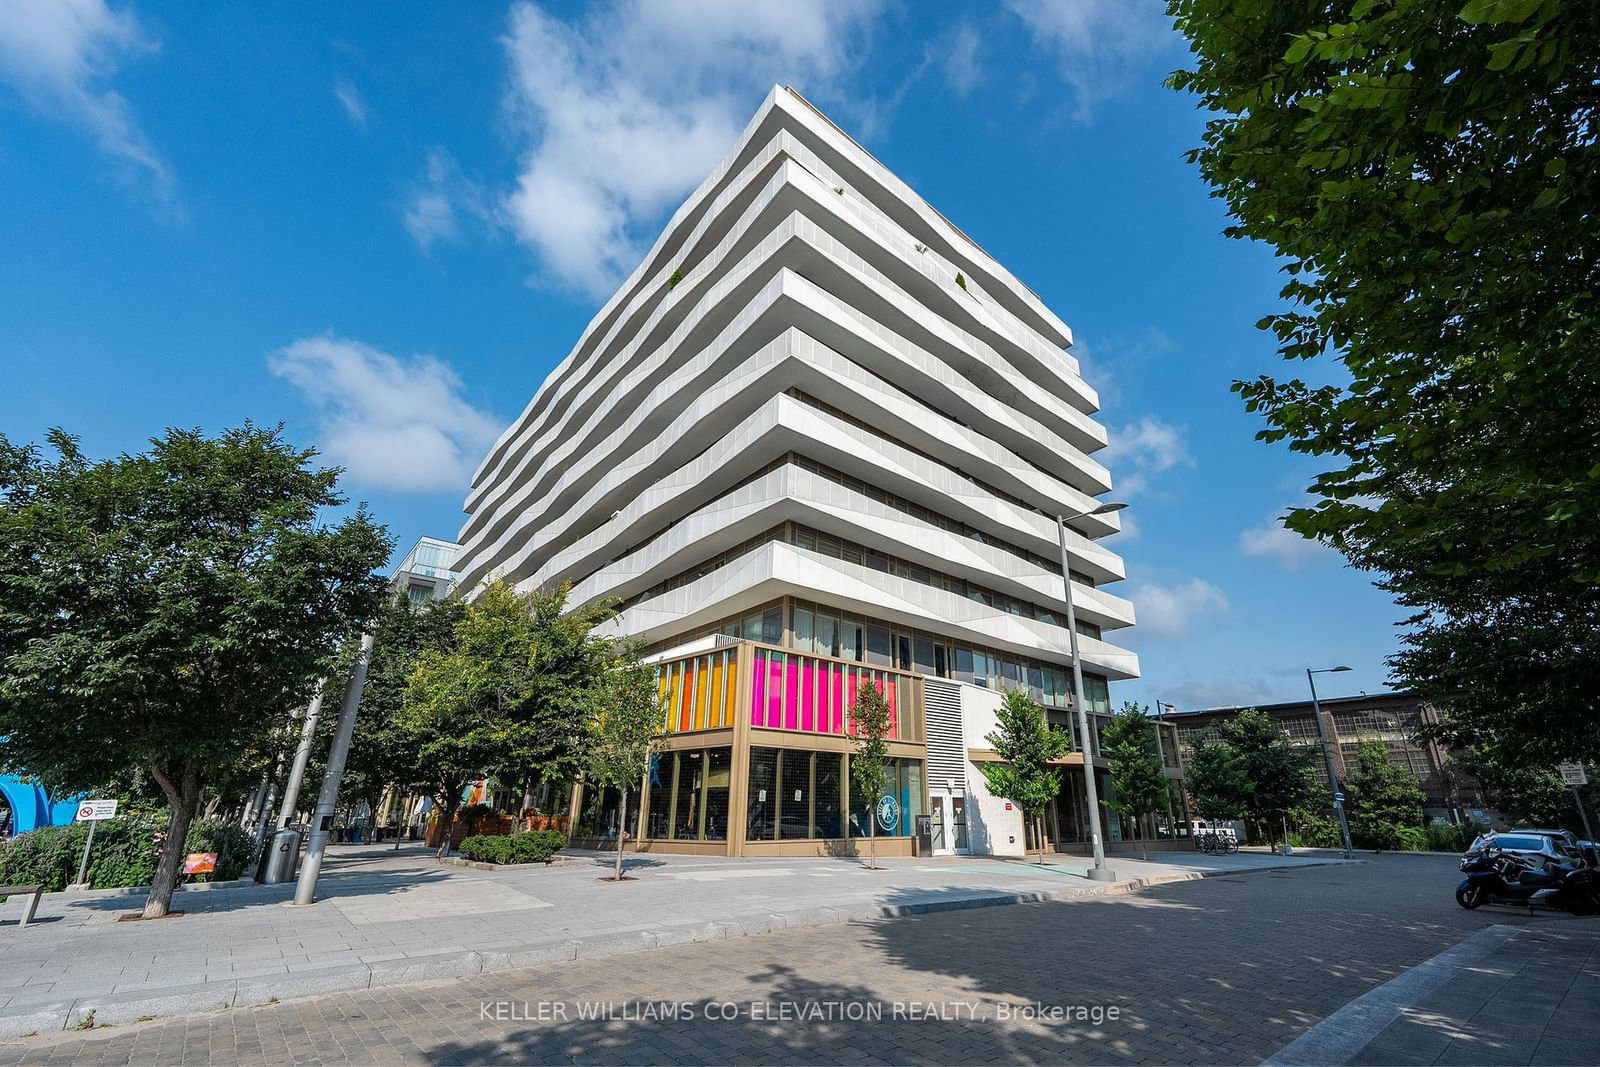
pixel 382 752
pixel 1427 170
pixel 624 733
pixel 869 760
pixel 512 696
pixel 1128 741
pixel 166 610
pixel 1218 782
pixel 1025 744
pixel 1384 798
pixel 1280 774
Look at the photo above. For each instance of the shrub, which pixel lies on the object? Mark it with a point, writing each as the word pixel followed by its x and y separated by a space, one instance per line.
pixel 233 845
pixel 961 280
pixel 674 278
pixel 1443 837
pixel 533 846
pixel 124 852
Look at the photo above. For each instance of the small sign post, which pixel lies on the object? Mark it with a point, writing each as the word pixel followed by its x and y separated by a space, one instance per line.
pixel 1573 775
pixel 91 812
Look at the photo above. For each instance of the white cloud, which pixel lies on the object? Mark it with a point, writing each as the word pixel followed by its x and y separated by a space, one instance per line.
pixel 392 423
pixel 440 200
pixel 350 98
pixel 1137 452
pixel 1270 541
pixel 623 111
pixel 1096 43
pixel 59 54
pixel 957 56
pixel 1168 610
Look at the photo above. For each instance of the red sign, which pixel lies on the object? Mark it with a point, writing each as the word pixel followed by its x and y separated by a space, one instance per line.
pixel 200 863
pixel 1008 805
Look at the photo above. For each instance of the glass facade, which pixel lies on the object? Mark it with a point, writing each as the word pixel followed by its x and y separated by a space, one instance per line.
pixel 896 808
pixel 689 795
pixel 794 794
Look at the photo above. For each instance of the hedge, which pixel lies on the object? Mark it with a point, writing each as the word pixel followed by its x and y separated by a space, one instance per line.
pixel 124 853
pixel 531 846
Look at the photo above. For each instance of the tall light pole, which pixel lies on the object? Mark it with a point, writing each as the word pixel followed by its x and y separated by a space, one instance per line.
pixel 1099 872
pixel 1327 756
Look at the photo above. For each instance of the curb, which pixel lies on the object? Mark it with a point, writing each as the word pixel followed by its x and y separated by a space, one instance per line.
pixel 23 1020
pixel 1342 1035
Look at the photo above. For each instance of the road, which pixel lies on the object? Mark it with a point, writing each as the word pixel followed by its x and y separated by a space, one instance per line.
pixel 1224 970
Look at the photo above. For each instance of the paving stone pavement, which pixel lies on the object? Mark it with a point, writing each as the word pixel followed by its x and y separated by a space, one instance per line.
pixel 386 917
pixel 1222 970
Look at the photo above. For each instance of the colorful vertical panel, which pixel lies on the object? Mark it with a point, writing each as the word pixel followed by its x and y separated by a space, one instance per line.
pixel 808 690
pixel 702 670
pixel 775 669
pixel 791 693
pixel 758 689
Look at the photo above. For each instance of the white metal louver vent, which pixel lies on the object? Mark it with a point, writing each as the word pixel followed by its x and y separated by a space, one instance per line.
pixel 947 755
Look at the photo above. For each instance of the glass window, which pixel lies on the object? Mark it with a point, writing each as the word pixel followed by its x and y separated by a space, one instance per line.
pixel 852 638
pixel 827 634
pixel 829 795
pixel 903 789
pixel 763 796
pixel 1098 694
pixel 794 796
pixel 941 663
pixel 804 625
pixel 752 627
pixel 964 669
pixel 878 645
pixel 922 650
pixel 719 772
pixel 980 669
pixel 662 768
pixel 772 625
pixel 903 646
pixel 688 806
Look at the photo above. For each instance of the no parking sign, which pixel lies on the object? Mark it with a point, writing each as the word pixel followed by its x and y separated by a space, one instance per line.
pixel 95 810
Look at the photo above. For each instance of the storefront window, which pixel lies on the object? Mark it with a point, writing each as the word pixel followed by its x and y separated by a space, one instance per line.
pixel 719 775
pixel 896 808
pixel 761 823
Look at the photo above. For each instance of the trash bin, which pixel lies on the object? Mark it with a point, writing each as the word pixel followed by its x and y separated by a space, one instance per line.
pixel 922 841
pixel 285 857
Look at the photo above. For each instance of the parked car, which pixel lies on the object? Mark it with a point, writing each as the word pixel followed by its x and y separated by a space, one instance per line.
pixel 1539 847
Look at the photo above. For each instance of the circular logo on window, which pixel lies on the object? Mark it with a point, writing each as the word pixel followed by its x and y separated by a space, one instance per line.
pixel 888 812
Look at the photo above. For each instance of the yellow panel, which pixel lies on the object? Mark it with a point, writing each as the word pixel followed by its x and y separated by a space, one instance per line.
pixel 664 681
pixel 716 703
pixel 730 697
pixel 700 693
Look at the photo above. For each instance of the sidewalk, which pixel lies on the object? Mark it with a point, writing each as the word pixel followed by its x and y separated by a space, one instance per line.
pixel 388 918
pixel 1505 995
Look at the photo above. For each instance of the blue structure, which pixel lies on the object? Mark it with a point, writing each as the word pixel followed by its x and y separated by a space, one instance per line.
pixel 31 806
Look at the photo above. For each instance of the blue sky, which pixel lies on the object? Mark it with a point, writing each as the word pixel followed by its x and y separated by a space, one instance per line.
pixel 382 225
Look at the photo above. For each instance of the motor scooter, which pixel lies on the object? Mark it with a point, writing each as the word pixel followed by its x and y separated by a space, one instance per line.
pixel 1496 877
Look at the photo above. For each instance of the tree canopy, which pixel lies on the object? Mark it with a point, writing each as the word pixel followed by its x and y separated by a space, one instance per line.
pixel 166 610
pixel 1384 797
pixel 1138 779
pixel 512 695
pixel 1427 170
pixel 869 760
pixel 1025 744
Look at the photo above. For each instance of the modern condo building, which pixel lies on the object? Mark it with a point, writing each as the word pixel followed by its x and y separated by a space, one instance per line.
pixel 818 436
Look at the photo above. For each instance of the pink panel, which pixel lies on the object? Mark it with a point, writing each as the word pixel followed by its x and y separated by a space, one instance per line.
pixel 791 704
pixel 890 689
pixel 808 686
pixel 840 680
pixel 775 690
pixel 758 687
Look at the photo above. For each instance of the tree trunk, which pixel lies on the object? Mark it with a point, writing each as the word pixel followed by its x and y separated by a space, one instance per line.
pixel 1038 833
pixel 449 822
pixel 1144 841
pixel 183 794
pixel 622 828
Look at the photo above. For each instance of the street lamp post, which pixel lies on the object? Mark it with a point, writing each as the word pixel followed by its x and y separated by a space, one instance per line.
pixel 1099 872
pixel 1327 756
